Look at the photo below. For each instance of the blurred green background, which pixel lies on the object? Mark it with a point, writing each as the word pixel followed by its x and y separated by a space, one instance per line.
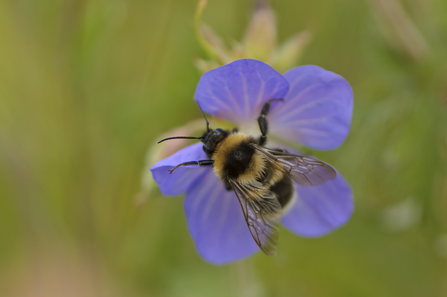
pixel 87 86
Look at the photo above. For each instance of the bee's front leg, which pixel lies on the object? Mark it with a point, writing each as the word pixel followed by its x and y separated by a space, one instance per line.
pixel 262 121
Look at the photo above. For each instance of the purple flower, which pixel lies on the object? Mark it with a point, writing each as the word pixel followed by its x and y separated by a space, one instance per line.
pixel 316 112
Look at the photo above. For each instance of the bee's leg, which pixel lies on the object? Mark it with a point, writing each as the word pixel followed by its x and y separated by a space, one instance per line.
pixel 262 120
pixel 227 185
pixel 235 130
pixel 199 163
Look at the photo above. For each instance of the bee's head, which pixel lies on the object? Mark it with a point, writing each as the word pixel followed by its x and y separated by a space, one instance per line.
pixel 211 138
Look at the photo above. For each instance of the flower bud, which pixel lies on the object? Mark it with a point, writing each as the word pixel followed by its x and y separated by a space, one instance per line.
pixel 259 42
pixel 288 54
pixel 260 36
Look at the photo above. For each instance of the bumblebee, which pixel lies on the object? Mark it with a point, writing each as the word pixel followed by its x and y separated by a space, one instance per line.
pixel 261 177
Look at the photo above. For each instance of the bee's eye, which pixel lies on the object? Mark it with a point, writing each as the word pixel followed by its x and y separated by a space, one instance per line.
pixel 220 130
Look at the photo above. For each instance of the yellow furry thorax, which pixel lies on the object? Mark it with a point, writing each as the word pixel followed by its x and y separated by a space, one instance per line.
pixel 256 168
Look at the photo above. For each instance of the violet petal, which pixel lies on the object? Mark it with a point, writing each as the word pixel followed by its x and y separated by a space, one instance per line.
pixel 317 109
pixel 237 91
pixel 182 178
pixel 319 210
pixel 216 222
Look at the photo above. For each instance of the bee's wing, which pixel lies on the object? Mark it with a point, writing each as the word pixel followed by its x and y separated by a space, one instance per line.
pixel 306 172
pixel 261 210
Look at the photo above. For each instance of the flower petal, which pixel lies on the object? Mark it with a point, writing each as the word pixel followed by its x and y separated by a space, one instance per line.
pixel 319 210
pixel 317 110
pixel 237 91
pixel 182 178
pixel 216 221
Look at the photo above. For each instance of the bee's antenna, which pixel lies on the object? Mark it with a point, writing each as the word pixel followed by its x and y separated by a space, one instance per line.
pixel 207 123
pixel 180 137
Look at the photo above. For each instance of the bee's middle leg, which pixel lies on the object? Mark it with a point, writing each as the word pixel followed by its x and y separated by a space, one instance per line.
pixel 198 163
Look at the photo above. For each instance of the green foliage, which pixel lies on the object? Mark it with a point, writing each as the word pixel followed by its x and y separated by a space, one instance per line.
pixel 87 86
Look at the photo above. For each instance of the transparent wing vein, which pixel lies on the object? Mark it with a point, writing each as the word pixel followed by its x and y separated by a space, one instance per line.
pixel 262 211
pixel 305 171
